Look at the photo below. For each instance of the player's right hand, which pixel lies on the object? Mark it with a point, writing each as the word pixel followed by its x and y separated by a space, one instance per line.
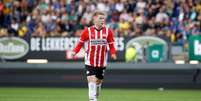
pixel 73 54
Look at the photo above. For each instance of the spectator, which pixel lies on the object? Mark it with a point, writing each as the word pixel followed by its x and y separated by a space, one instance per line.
pixel 174 19
pixel 162 16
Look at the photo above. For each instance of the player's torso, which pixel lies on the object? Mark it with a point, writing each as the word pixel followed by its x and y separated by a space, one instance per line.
pixel 96 49
pixel 97 37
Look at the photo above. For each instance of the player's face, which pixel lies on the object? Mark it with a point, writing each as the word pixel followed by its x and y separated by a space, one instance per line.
pixel 99 20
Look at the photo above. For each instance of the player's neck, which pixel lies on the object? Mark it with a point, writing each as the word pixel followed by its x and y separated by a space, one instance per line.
pixel 98 27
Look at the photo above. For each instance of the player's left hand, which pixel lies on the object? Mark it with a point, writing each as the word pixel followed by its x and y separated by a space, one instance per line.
pixel 114 56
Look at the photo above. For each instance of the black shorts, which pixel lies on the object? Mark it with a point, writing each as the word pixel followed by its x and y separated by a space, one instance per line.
pixel 97 71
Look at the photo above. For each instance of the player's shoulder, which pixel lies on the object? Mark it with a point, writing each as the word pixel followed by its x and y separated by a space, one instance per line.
pixel 87 28
pixel 109 29
pixel 85 31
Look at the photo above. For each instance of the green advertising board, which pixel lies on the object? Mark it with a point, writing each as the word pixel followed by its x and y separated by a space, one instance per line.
pixel 13 48
pixel 155 53
pixel 195 47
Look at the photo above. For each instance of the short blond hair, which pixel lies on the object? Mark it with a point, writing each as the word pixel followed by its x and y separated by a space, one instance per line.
pixel 97 12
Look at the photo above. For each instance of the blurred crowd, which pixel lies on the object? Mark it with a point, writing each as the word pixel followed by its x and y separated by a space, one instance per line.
pixel 172 20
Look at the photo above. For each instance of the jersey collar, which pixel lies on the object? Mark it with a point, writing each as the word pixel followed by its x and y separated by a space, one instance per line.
pixel 97 28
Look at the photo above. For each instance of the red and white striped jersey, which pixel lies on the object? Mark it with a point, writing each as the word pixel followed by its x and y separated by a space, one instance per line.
pixel 96 42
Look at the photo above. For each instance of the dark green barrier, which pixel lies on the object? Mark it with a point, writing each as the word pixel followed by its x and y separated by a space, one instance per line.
pixel 195 47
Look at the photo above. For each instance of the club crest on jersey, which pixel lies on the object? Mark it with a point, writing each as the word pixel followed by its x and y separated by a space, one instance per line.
pixel 98 41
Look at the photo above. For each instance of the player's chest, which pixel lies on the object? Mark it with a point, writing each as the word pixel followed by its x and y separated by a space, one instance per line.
pixel 98 38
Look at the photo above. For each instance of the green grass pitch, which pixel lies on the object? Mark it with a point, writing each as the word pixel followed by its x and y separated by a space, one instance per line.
pixel 80 94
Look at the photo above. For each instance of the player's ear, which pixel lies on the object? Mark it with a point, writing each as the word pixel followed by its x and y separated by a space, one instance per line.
pixel 94 17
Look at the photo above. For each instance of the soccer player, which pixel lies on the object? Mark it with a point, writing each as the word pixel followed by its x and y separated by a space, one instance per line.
pixel 96 39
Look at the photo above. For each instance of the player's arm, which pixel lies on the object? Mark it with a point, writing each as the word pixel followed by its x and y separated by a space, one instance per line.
pixel 84 37
pixel 110 40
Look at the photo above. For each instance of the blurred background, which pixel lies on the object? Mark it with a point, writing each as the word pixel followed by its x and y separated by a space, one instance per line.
pixel 158 42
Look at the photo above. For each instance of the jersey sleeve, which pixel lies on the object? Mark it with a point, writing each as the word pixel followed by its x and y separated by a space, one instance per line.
pixel 110 40
pixel 84 37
